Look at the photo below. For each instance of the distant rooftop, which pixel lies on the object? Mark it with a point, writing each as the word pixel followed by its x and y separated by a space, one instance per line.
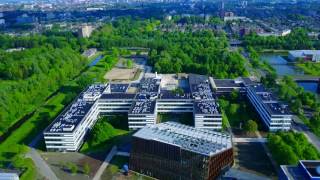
pixel 205 142
pixel 299 53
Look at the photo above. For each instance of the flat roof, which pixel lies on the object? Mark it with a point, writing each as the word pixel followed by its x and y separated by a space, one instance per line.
pixel 69 119
pixel 202 141
pixel 206 107
pixel 118 96
pixel 227 83
pixel 119 88
pixel 167 94
pixel 143 107
pixel 149 85
pixel 272 104
pixel 312 167
pixel 200 87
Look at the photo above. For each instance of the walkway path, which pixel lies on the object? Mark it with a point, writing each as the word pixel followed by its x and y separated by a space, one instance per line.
pixel 299 126
pixel 273 162
pixel 42 166
pixel 249 140
pixel 105 163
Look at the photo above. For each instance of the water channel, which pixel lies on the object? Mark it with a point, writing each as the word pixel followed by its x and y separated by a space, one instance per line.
pixel 282 67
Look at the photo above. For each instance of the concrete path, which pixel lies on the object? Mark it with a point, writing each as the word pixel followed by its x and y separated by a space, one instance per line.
pixel 42 166
pixel 249 140
pixel 120 153
pixel 242 175
pixel 299 126
pixel 105 163
pixel 273 162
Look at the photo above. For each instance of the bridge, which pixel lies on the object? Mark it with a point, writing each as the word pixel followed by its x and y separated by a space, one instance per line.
pixel 306 79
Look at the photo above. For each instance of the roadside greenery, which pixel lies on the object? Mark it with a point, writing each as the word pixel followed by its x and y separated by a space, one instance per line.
pixel 289 147
pixel 250 127
pixel 310 68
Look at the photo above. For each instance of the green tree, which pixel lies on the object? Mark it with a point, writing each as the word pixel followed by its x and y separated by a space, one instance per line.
pixel 129 63
pixel 250 126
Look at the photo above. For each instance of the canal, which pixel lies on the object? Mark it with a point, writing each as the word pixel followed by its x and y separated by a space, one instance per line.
pixel 95 61
pixel 282 67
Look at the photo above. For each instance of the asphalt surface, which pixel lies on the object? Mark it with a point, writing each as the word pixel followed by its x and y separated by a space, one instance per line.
pixel 299 126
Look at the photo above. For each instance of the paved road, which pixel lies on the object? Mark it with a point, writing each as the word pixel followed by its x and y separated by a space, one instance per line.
pixel 119 153
pixel 299 126
pixel 242 175
pixel 105 163
pixel 249 140
pixel 42 166
pixel 273 162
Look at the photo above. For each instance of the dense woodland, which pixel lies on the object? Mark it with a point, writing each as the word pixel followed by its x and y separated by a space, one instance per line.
pixel 203 52
pixel 29 76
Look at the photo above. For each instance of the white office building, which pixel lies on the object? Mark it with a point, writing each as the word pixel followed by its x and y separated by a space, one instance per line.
pixel 274 114
pixel 67 132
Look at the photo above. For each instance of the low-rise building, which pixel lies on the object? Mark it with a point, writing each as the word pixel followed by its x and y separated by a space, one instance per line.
pixel 305 170
pixel 174 151
pixel 152 95
pixel 274 114
pixel 308 55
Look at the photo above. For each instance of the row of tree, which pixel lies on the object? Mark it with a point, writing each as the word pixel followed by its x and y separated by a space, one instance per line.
pixel 289 147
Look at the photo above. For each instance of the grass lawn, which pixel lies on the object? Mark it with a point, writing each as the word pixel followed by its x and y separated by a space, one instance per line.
pixel 185 118
pixel 119 135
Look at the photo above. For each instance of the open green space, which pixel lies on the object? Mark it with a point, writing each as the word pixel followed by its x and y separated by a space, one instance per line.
pixel 107 132
pixel 183 118
pixel 237 111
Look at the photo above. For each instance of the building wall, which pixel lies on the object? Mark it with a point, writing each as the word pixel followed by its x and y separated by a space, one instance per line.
pixel 272 122
pixel 166 161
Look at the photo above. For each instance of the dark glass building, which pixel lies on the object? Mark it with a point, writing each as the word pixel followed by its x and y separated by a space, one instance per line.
pixel 174 151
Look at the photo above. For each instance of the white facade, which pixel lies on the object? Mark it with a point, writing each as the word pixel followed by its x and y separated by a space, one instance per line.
pixel 312 55
pixel 274 121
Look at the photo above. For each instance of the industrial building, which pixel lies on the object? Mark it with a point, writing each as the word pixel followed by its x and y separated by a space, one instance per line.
pixel 141 101
pixel 308 55
pixel 171 150
pixel 305 170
